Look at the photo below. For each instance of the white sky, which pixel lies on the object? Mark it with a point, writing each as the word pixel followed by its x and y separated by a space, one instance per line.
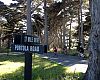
pixel 7 2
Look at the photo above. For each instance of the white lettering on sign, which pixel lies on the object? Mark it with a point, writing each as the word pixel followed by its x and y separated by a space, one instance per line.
pixel 28 39
pixel 21 48
pixel 26 48
pixel 36 40
pixel 34 48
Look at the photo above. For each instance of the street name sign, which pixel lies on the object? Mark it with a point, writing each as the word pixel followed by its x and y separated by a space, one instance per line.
pixel 27 43
pixel 27 48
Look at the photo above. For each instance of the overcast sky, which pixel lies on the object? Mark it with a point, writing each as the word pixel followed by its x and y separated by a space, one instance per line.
pixel 7 2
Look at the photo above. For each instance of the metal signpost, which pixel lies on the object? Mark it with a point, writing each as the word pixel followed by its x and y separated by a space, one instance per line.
pixel 27 44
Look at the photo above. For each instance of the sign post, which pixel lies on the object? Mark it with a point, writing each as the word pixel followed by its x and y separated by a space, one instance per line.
pixel 28 55
pixel 27 44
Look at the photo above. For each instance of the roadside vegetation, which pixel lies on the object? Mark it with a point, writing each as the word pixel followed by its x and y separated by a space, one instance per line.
pixel 12 68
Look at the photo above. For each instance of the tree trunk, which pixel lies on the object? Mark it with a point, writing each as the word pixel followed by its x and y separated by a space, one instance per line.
pixel 63 24
pixel 0 36
pixel 70 34
pixel 79 32
pixel 0 40
pixel 93 71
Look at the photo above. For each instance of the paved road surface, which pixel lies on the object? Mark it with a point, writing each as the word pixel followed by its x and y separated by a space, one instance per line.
pixel 75 63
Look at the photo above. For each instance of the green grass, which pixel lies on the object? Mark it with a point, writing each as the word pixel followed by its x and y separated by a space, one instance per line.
pixel 12 68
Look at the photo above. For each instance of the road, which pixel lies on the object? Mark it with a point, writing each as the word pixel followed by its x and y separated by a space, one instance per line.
pixel 75 63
